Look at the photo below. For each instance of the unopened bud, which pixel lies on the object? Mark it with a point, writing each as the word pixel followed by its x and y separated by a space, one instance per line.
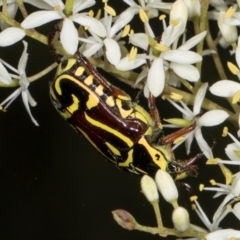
pixel 124 219
pixel 149 188
pixel 180 218
pixel 167 186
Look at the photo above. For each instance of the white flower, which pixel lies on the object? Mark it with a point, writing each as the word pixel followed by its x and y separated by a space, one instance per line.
pixel 110 40
pixel 12 8
pixel 229 88
pixel 210 118
pixel 214 225
pixel 179 60
pixel 194 8
pixel 229 32
pixel 24 84
pixel 70 44
pixel 147 9
pixel 179 11
pixel 10 36
pixel 224 234
pixel 231 192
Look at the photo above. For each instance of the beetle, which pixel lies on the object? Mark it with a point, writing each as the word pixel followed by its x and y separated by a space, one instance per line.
pixel 120 129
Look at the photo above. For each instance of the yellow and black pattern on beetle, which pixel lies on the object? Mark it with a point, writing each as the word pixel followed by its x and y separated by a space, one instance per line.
pixel 118 128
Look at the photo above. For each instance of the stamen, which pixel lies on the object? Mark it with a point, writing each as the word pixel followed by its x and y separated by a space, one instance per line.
pixel 161 17
pixel 143 16
pixel 160 47
pixel 133 53
pixel 230 12
pixel 126 30
pixel 233 68
pixel 236 97
pixel 225 132
pixel 110 11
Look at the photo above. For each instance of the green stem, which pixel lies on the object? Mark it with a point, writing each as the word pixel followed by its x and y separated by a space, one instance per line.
pixel 22 8
pixel 157 213
pixel 169 231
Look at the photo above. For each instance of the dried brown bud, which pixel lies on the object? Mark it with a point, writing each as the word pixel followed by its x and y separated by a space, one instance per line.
pixel 124 219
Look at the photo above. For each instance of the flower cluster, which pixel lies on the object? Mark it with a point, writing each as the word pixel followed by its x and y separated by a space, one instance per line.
pixel 164 59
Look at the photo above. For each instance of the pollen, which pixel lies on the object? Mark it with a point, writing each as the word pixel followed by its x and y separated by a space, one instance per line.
pixel 236 97
pixel 201 186
pixel 133 53
pixel 110 11
pixel 225 132
pixel 175 96
pixel 193 198
pixel 213 182
pixel 194 207
pixel 104 1
pixel 160 47
pixel 91 13
pixel 126 30
pixel 233 68
pixel 98 15
pixel 143 15
pixel 131 31
pixel 213 161
pixel 230 12
pixel 161 17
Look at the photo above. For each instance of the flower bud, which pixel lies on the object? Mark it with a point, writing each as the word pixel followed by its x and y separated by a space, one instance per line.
pixel 180 218
pixel 166 186
pixel 179 11
pixel 124 219
pixel 194 8
pixel 229 32
pixel 149 188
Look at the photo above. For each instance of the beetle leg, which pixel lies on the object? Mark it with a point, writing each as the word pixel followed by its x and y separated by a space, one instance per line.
pixel 169 139
pixel 154 112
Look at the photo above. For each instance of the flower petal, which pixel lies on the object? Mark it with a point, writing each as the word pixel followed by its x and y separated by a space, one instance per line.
pixel 203 144
pixel 39 18
pixel 4 75
pixel 199 98
pixel 91 49
pixel 156 77
pixel 25 101
pixel 10 36
pixel 82 4
pixel 193 41
pixel 225 88
pixel 182 57
pixel 212 118
pixel 69 36
pixel 125 65
pixel 112 51
pixel 139 40
pixel 94 25
pixel 185 71
pixel 123 19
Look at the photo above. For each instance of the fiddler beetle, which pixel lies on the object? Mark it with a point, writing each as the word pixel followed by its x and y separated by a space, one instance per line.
pixel 120 129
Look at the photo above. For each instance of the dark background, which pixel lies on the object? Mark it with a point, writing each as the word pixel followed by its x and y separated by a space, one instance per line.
pixel 54 185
